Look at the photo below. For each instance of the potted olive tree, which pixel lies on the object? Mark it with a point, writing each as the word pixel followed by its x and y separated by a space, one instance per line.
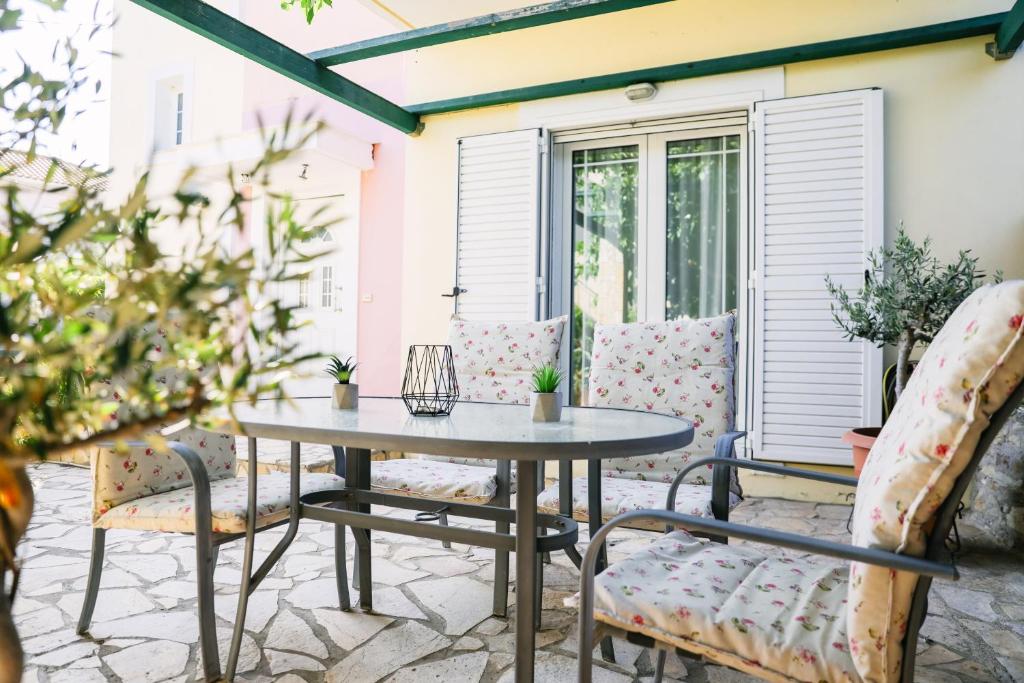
pixel 907 296
pixel 546 399
pixel 346 394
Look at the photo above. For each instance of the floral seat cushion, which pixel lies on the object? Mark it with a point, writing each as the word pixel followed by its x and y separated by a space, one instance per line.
pixel 778 618
pixel 966 374
pixel 173 510
pixel 494 362
pixel 680 367
pixel 435 479
pixel 624 495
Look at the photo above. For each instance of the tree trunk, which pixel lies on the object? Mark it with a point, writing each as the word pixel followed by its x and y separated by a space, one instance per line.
pixel 903 349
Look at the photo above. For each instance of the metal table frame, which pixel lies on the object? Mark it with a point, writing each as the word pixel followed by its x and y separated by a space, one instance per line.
pixel 351 507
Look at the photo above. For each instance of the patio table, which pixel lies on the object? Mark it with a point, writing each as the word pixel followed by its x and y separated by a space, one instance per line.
pixel 473 430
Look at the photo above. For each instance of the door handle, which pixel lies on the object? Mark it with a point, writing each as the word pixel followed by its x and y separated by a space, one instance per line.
pixel 456 291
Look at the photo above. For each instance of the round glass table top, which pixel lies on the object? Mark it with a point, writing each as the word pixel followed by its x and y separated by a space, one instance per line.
pixel 473 430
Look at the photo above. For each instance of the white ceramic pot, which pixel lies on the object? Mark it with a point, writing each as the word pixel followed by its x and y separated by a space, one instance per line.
pixel 546 407
pixel 346 396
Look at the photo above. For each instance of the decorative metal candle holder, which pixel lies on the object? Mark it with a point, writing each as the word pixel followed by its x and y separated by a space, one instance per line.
pixel 429 386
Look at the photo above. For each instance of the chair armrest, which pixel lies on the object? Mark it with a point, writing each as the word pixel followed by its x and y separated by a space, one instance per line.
pixel 782 539
pixel 721 476
pixel 838 479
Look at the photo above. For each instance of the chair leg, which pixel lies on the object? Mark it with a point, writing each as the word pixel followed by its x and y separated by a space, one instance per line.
pixel 340 570
pixel 659 666
pixel 442 519
pixel 92 586
pixel 206 563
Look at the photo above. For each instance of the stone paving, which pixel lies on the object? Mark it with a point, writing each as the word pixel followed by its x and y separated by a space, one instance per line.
pixel 433 607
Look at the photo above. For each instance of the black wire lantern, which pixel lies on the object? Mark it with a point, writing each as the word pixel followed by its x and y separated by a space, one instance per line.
pixel 429 386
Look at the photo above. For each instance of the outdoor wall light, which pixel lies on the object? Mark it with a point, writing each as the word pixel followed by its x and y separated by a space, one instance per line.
pixel 641 92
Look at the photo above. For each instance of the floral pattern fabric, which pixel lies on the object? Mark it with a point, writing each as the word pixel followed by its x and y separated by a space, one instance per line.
pixel 966 374
pixel 777 618
pixel 494 363
pixel 143 471
pixel 174 511
pixel 681 367
pixel 625 495
pixel 435 479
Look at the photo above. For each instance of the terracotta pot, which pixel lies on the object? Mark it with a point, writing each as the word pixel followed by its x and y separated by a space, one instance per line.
pixel 861 439
pixel 16 502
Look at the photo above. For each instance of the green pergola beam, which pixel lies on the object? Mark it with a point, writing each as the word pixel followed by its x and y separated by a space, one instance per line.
pixel 499 22
pixel 225 30
pixel 890 40
pixel 1011 32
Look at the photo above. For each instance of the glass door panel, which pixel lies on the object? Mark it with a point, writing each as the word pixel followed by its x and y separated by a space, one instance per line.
pixel 606 211
pixel 702 193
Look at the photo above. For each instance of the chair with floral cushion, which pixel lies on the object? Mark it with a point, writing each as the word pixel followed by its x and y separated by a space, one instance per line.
pixel 683 368
pixel 191 487
pixel 494 362
pixel 806 618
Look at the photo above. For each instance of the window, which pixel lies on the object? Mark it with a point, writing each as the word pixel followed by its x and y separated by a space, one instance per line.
pixel 654 223
pixel 327 287
pixel 169 114
pixel 304 292
pixel 179 118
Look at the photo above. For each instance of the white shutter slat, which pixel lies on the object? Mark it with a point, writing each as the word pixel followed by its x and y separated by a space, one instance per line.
pixel 499 226
pixel 818 211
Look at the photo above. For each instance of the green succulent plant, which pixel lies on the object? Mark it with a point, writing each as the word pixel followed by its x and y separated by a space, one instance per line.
pixel 546 379
pixel 341 370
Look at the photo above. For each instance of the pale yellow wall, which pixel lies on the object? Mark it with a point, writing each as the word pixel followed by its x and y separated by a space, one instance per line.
pixel 954 133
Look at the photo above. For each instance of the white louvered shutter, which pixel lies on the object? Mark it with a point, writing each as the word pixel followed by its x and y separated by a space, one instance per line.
pixel 818 211
pixel 499 226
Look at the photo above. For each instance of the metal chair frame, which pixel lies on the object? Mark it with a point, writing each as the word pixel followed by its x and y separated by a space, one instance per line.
pixel 207 549
pixel 930 566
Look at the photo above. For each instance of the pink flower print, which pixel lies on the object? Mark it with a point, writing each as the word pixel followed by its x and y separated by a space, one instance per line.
pixel 649 405
pixel 1016 321
pixel 707 349
pixel 659 391
pixel 876 514
pixel 638 620
pixel 119 486
pixel 941 450
pixel 778 603
pixel 683 613
pixel 695 364
pixel 839 646
pixel 708 403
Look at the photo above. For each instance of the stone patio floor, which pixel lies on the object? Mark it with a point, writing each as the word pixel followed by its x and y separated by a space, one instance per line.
pixel 433 607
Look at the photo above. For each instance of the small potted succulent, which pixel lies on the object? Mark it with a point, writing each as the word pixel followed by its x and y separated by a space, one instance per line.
pixel 546 399
pixel 907 296
pixel 346 394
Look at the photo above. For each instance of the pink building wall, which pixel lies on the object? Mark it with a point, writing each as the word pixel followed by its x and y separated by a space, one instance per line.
pixel 382 189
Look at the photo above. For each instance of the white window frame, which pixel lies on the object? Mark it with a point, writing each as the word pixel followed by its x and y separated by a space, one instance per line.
pixel 186 72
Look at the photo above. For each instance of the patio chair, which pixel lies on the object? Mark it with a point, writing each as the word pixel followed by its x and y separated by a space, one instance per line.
pixel 857 617
pixel 494 362
pixel 191 488
pixel 684 368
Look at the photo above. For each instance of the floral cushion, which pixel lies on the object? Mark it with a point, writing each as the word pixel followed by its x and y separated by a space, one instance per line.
pixel 174 511
pixel 435 479
pixel 626 495
pixel 494 362
pixel 682 368
pixel 777 618
pixel 138 472
pixel 966 374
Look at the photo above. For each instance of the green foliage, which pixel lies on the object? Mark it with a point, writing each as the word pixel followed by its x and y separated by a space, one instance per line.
pixel 96 312
pixel 546 379
pixel 907 292
pixel 341 370
pixel 309 7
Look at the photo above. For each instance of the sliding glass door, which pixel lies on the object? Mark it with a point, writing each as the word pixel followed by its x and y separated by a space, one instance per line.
pixel 653 225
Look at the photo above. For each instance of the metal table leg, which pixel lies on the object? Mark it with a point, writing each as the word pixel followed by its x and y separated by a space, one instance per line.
pixel 357 463
pixel 526 568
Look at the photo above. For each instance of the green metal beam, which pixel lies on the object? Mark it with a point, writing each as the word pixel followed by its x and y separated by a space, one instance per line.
pixel 225 30
pixel 922 35
pixel 1011 32
pixel 499 22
